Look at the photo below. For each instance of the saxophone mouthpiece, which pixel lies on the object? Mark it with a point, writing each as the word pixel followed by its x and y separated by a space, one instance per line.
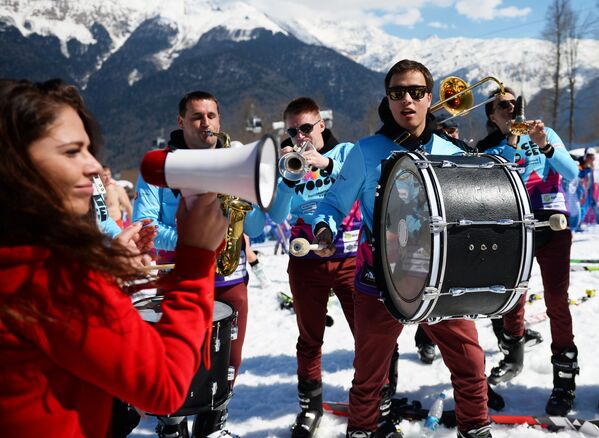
pixel 210 133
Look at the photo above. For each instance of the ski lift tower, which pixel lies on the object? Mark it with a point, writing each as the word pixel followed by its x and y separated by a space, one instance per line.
pixel 327 117
pixel 254 125
pixel 279 129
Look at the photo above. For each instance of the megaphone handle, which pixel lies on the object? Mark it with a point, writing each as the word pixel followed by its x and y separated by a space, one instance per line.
pixel 189 196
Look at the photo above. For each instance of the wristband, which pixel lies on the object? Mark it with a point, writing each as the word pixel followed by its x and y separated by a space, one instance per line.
pixel 547 148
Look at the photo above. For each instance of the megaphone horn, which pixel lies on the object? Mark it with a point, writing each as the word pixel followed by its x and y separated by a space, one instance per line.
pixel 248 171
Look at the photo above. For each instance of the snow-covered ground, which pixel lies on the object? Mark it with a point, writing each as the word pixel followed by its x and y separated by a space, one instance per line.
pixel 265 400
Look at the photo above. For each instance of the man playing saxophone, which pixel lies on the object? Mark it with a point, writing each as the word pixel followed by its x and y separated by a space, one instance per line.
pixel 199 123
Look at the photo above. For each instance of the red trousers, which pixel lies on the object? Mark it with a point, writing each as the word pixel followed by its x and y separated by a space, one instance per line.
pixel 310 281
pixel 554 260
pixel 376 333
pixel 237 297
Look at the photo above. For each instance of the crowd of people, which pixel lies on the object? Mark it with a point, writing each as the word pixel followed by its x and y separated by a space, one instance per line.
pixel 63 296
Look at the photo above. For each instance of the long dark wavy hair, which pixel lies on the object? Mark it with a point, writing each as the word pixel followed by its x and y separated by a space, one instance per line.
pixel 32 209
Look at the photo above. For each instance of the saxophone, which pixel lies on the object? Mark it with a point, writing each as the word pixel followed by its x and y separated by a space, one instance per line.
pixel 235 210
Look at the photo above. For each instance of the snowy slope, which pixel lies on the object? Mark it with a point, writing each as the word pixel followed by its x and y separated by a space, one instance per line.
pixel 265 401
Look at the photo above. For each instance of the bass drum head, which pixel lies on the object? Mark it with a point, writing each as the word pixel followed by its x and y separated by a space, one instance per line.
pixel 403 237
pixel 222 311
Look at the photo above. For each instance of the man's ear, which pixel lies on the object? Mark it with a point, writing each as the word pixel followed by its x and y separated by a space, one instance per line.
pixel 180 121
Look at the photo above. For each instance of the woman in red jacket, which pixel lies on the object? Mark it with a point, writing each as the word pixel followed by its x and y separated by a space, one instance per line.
pixel 70 339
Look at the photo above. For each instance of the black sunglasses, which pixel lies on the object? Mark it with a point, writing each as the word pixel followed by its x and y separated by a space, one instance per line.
pixel 306 128
pixel 505 104
pixel 416 92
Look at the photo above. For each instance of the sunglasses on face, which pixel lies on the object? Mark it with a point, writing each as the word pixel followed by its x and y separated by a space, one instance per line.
pixel 416 92
pixel 505 104
pixel 306 128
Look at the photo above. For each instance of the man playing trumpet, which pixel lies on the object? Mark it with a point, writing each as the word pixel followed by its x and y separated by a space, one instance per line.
pixel 312 278
pixel 544 160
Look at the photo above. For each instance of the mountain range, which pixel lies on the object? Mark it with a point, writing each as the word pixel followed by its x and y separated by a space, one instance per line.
pixel 134 61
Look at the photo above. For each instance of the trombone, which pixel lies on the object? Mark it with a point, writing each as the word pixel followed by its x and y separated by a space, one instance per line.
pixel 456 96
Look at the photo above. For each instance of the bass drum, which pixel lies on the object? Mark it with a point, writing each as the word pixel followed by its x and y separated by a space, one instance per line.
pixel 452 236
pixel 209 388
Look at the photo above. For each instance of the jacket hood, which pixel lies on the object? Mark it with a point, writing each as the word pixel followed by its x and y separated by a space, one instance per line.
pixel 17 265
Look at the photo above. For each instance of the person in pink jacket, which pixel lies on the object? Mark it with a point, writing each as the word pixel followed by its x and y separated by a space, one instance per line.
pixel 70 339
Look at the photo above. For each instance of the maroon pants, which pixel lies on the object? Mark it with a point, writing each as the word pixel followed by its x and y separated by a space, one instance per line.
pixel 236 296
pixel 310 281
pixel 376 333
pixel 554 260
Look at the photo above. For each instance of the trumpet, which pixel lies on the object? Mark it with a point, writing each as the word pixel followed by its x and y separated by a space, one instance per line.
pixel 456 96
pixel 293 166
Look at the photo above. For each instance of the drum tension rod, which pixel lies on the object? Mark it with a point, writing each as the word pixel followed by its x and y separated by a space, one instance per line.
pixel 424 164
pixel 437 223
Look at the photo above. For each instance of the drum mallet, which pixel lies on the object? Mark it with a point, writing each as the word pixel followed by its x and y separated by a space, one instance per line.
pixel 557 222
pixel 300 247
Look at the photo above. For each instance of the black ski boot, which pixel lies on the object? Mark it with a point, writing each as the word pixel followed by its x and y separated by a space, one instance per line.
pixel 480 432
pixel 212 424
pixel 565 369
pixel 310 400
pixel 172 427
pixel 532 338
pixel 387 426
pixel 495 401
pixel 426 353
pixel 511 364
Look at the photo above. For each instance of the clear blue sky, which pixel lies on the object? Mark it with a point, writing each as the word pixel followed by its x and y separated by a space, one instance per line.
pixel 478 18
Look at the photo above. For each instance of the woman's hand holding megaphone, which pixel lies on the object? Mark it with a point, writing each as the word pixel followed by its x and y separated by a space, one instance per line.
pixel 324 237
pixel 201 224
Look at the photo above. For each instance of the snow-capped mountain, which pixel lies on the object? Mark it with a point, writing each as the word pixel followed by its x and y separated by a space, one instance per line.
pixel 135 59
pixel 522 60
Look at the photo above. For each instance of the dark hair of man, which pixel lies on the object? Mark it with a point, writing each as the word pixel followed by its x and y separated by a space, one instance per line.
pixel 301 105
pixel 196 95
pixel 490 106
pixel 32 211
pixel 408 65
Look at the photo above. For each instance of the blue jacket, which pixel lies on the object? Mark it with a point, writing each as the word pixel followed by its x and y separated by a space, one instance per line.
pixel 358 181
pixel 302 200
pixel 542 175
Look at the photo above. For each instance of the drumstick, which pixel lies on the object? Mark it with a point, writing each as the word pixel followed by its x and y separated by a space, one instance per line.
pixel 158 267
pixel 300 247
pixel 556 222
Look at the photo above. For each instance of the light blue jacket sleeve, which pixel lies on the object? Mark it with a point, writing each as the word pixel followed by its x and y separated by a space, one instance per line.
pixel 147 205
pixel 340 157
pixel 561 160
pixel 343 194
pixel 254 222
pixel 282 205
pixel 109 227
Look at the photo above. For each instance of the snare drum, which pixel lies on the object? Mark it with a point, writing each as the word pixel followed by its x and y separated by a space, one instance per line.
pixel 209 388
pixel 452 236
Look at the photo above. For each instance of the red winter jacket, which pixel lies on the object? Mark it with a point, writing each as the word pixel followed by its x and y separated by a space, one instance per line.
pixel 58 375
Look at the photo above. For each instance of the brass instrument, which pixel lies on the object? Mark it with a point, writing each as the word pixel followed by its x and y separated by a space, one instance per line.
pixel 456 96
pixel 293 166
pixel 519 126
pixel 235 209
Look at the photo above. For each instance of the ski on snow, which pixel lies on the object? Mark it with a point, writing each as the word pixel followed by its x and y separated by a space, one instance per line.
pixel 413 411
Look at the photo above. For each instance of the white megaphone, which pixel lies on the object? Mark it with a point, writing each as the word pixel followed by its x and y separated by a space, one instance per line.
pixel 248 171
